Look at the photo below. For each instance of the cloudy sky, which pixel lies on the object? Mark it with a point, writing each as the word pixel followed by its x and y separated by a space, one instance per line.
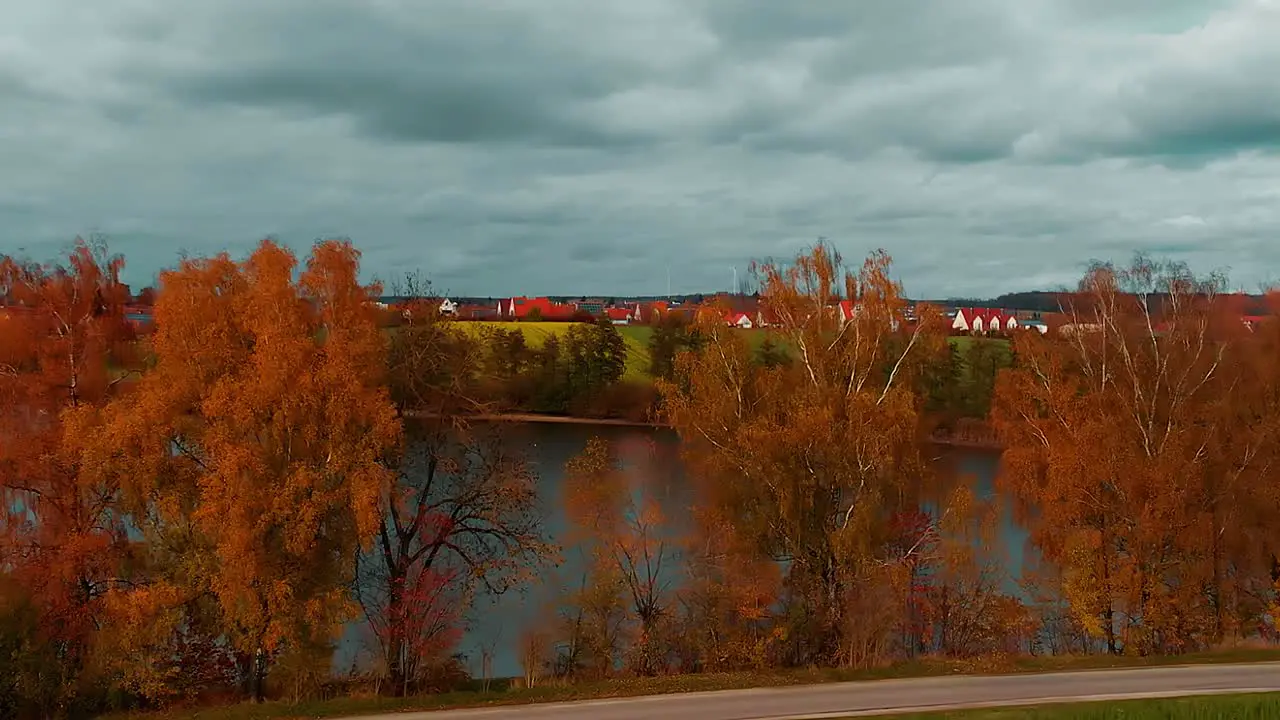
pixel 585 146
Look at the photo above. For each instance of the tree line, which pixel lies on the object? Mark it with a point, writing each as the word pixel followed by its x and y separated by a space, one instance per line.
pixel 195 514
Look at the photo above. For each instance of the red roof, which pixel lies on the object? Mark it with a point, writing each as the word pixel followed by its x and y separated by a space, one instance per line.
pixel 989 317
pixel 521 307
pixel 616 313
pixel 647 312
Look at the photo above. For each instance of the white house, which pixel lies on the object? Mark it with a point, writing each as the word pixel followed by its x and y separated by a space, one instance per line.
pixel 739 320
pixel 448 307
pixel 983 320
pixel 1035 325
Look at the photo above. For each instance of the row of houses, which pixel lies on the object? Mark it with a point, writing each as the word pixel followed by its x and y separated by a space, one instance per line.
pixel 985 321
pixel 740 311
pixel 547 309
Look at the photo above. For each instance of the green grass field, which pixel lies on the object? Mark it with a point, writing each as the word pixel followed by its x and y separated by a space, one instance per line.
pixel 1204 707
pixel 962 342
pixel 536 333
pixel 635 336
pixel 637 340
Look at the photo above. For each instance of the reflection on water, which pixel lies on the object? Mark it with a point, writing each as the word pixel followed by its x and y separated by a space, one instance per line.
pixel 648 454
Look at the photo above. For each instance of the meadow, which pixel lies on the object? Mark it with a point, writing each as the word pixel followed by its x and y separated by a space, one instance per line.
pixel 637 340
pixel 635 336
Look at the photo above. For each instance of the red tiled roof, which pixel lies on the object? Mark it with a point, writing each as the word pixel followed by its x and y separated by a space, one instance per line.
pixel 521 307
pixel 988 316
pixel 647 312
pixel 617 313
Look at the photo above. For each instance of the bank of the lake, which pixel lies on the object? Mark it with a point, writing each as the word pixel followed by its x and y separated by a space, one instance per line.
pixel 502 694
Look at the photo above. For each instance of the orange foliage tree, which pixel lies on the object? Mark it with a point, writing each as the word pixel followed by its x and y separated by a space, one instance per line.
pixel 256 447
pixel 809 456
pixel 728 618
pixel 63 539
pixel 619 518
pixel 1134 445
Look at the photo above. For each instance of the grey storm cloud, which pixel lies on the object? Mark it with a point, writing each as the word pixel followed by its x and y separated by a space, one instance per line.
pixel 586 146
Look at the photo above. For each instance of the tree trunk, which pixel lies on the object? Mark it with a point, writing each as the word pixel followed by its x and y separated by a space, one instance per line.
pixel 395 640
pixel 1219 579
pixel 1109 615
pixel 258 676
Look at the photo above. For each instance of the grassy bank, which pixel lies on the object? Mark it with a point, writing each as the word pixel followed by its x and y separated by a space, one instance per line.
pixel 536 333
pixel 637 339
pixel 1203 707
pixel 502 694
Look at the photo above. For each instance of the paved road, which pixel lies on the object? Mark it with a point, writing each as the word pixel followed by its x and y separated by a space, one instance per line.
pixel 840 700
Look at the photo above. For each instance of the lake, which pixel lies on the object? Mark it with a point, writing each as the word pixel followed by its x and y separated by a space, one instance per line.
pixel 652 454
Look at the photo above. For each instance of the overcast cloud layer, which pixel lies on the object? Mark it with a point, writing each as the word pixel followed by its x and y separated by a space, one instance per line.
pixel 583 146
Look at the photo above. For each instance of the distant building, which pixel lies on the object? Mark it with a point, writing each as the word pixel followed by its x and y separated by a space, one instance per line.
pixel 521 308
pixel 649 313
pixel 983 320
pixel 477 312
pixel 1038 325
pixel 618 316
pixel 594 306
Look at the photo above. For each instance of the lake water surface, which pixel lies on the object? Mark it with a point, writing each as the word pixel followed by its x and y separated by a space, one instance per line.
pixel 651 454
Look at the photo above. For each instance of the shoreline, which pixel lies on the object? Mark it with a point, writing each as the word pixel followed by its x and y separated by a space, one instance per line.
pixel 620 422
pixel 553 419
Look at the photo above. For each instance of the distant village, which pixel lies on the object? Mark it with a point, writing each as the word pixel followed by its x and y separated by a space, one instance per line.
pixel 1039 313
pixel 737 310
pixel 1029 311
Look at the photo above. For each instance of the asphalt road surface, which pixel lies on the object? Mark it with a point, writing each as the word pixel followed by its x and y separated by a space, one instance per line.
pixel 840 700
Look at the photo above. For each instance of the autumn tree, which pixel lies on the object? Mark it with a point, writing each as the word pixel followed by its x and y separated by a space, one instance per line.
pixel 1236 500
pixel 592 623
pixel 770 354
pixel 257 446
pixel 63 536
pixel 727 605
pixel 808 457
pixel 620 522
pixel 1130 440
pixel 964 608
pixel 461 518
pixel 461 522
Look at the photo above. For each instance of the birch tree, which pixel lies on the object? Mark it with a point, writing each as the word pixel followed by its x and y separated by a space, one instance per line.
pixel 808 456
